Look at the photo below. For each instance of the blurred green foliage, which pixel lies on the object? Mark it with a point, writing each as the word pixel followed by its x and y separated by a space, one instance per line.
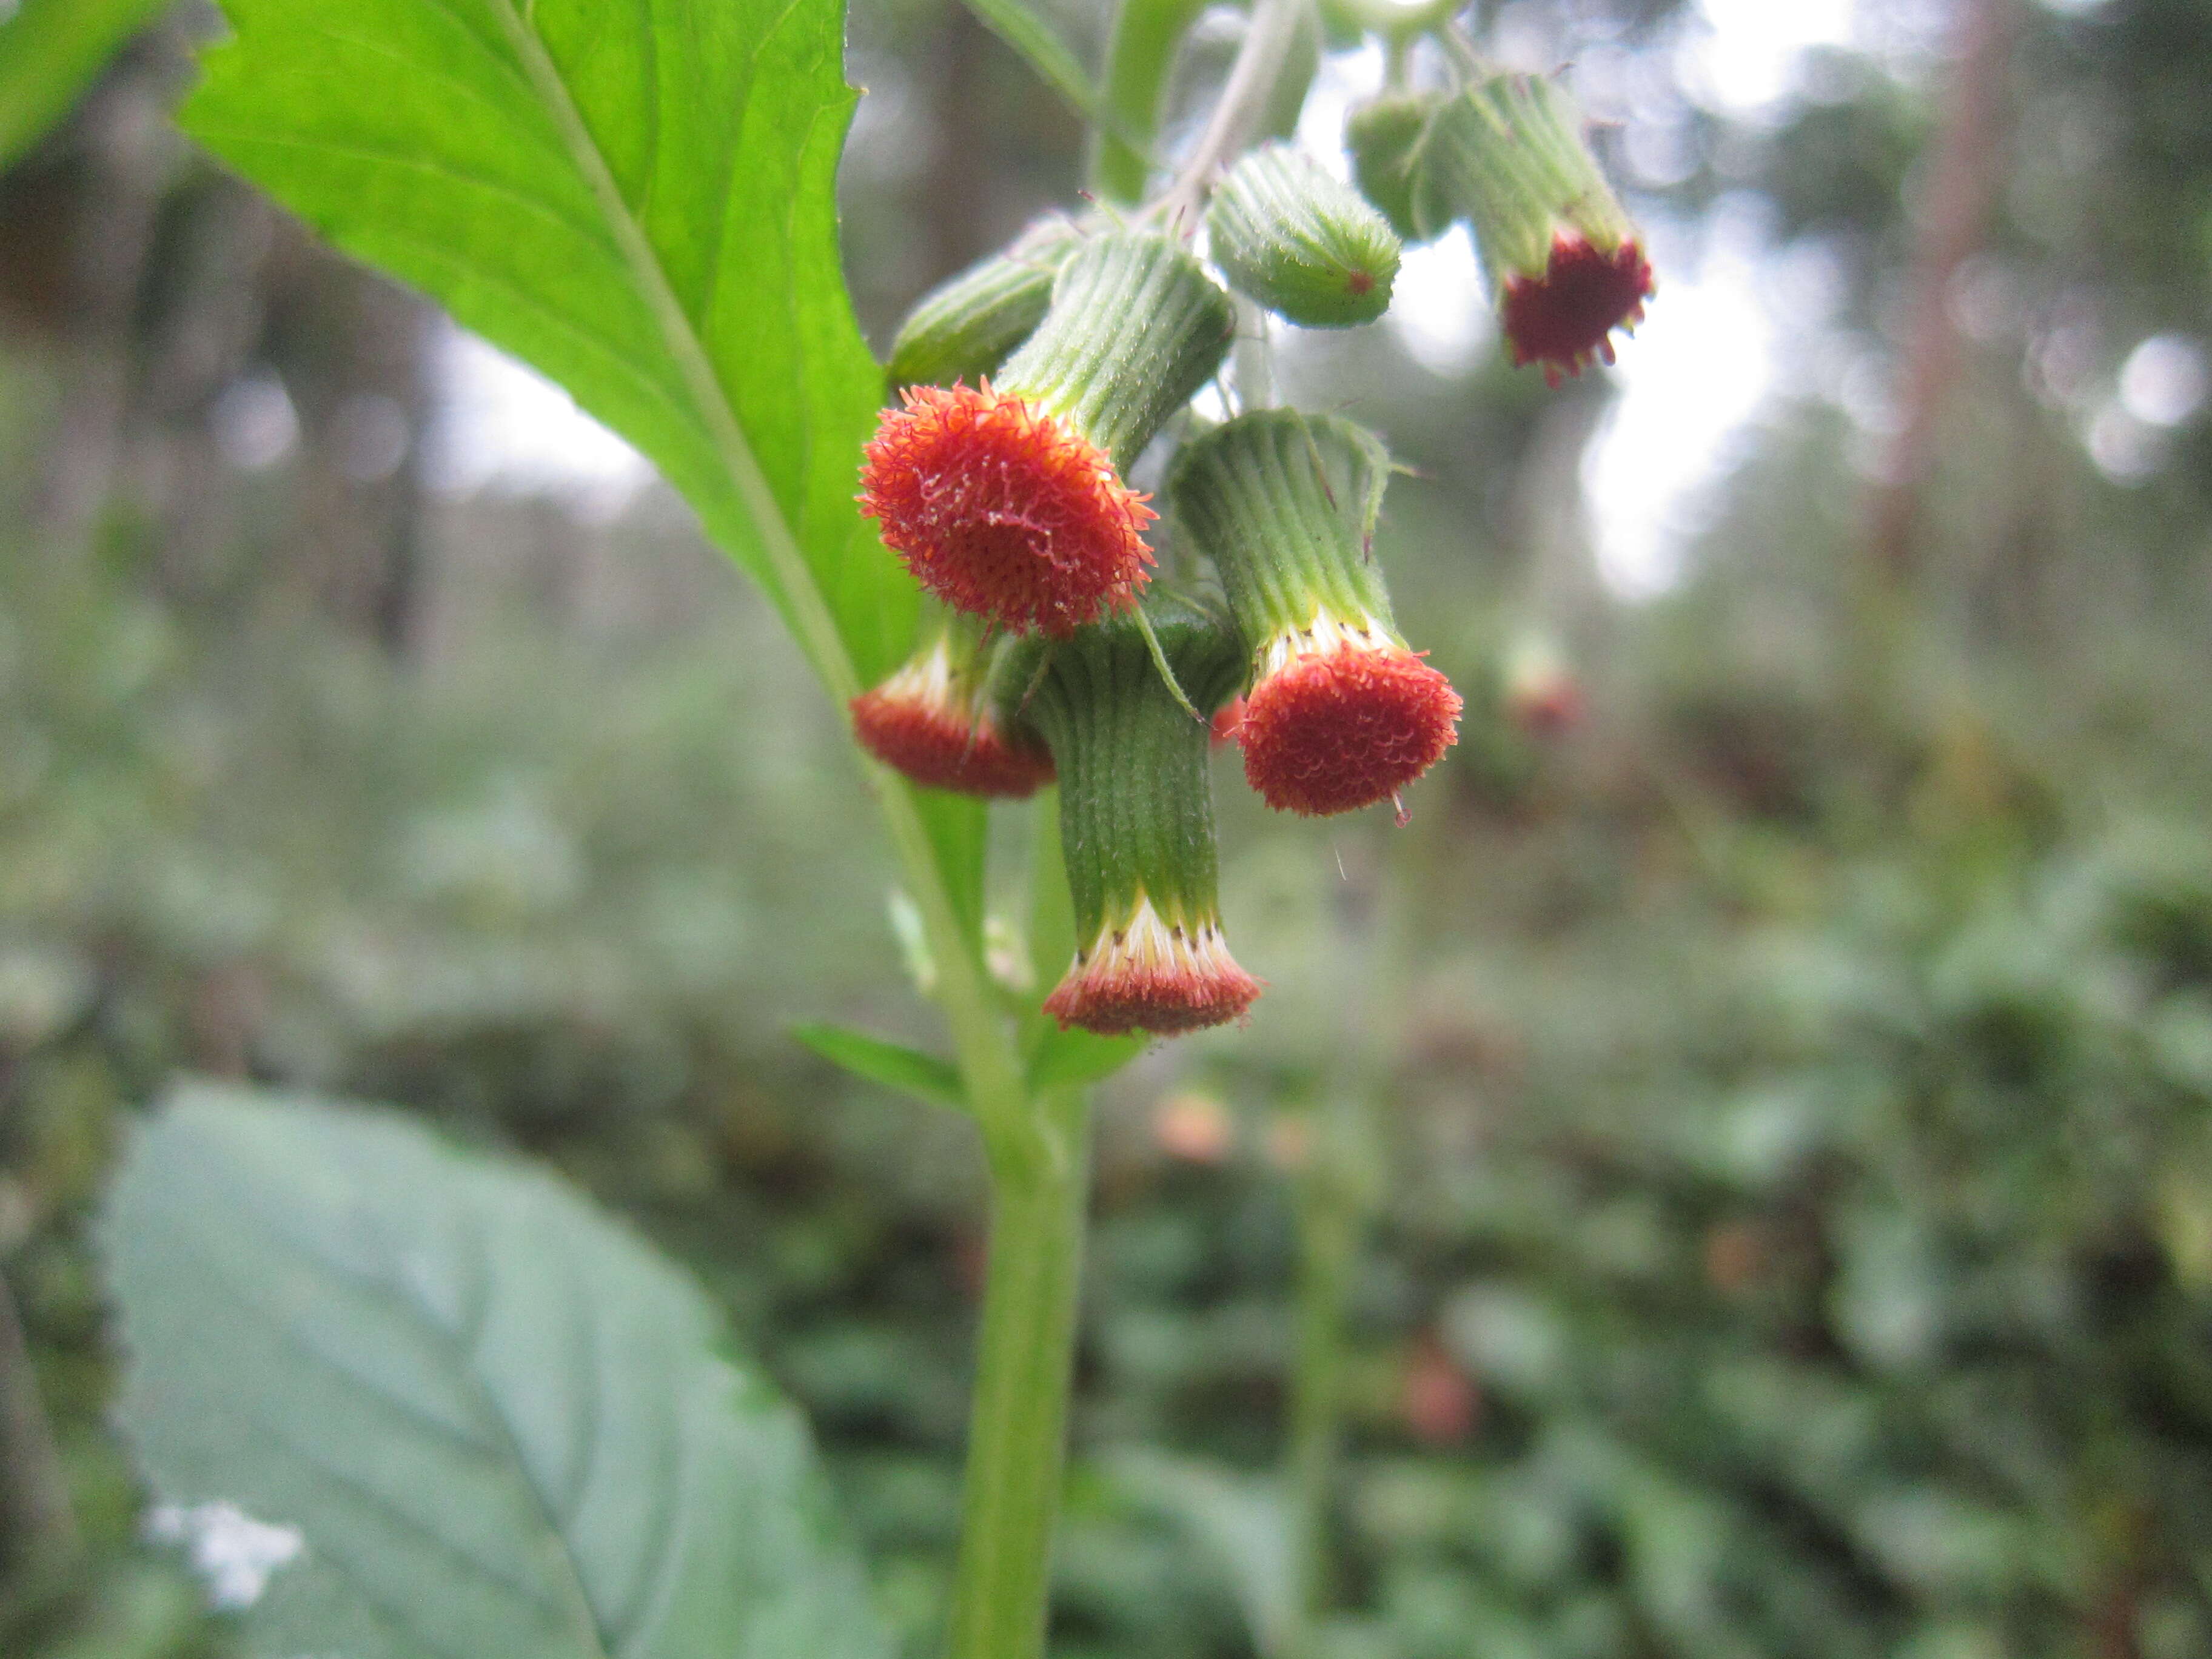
pixel 1792 1086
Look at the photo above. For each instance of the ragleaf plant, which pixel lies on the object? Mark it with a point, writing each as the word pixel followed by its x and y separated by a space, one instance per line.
pixel 497 1425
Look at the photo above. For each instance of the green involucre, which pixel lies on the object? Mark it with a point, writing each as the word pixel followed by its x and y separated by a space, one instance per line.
pixel 1136 805
pixel 1285 504
pixel 966 326
pixel 1508 156
pixel 1302 242
pixel 1136 326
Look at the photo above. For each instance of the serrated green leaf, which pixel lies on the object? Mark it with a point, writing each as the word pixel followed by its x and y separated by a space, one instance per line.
pixel 637 197
pixel 50 50
pixel 500 1424
pixel 891 1064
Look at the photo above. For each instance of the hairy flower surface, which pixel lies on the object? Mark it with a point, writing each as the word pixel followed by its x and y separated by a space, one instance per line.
pixel 1149 974
pixel 921 722
pixel 1565 317
pixel 1004 511
pixel 1340 716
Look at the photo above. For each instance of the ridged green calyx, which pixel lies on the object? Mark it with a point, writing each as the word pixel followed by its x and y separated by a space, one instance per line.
pixel 968 325
pixel 1285 503
pixel 1384 137
pixel 1300 241
pixel 1340 713
pixel 1507 155
pixel 1136 814
pixel 1135 328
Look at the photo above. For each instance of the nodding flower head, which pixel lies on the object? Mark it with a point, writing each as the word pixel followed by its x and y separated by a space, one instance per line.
pixel 1007 500
pixel 933 721
pixel 1564 260
pixel 1004 511
pixel 1342 715
pixel 1340 712
pixel 1136 815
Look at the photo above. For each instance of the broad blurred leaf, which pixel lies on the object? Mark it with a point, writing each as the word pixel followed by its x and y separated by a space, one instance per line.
pixel 50 50
pixel 891 1064
pixel 1236 1519
pixel 637 197
pixel 499 1425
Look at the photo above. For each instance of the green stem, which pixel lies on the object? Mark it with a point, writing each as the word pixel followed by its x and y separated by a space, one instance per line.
pixel 1329 1219
pixel 1019 1416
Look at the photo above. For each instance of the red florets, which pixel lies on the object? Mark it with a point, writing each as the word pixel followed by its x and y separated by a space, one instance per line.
pixel 1228 721
pixel 932 743
pixel 1148 975
pixel 1333 730
pixel 1564 318
pixel 1004 511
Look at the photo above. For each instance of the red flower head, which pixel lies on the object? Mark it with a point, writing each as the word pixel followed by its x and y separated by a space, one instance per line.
pixel 1565 265
pixel 1340 716
pixel 1004 511
pixel 1566 317
pixel 927 721
pixel 1148 975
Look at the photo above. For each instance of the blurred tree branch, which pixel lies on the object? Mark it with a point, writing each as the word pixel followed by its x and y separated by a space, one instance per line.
pixel 1965 174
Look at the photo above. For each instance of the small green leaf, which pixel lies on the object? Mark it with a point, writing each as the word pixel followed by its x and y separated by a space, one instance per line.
pixel 1045 52
pixel 1147 36
pixel 479 1418
pixel 1075 1059
pixel 891 1064
pixel 50 50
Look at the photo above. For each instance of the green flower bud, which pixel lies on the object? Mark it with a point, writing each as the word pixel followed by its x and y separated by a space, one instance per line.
pixel 1301 242
pixel 1136 816
pixel 1384 138
pixel 966 326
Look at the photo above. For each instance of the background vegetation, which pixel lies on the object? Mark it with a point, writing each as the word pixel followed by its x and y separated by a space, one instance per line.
pixel 1782 1093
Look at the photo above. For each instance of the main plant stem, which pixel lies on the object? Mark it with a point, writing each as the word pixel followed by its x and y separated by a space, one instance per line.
pixel 1024 1354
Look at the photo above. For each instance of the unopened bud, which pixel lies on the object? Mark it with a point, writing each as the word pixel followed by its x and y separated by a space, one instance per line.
pixel 1563 261
pixel 1341 714
pixel 1136 819
pixel 1384 137
pixel 968 325
pixel 1300 241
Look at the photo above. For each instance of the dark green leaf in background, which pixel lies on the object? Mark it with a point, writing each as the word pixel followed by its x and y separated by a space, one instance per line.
pixel 501 1426
pixel 50 50
pixel 638 197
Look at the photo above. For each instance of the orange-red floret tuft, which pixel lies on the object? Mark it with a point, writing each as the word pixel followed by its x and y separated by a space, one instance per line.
pixel 1228 721
pixel 1146 976
pixel 1564 318
pixel 1333 731
pixel 1004 511
pixel 931 743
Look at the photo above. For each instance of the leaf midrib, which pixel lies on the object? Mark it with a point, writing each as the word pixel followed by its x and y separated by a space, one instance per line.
pixel 810 613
